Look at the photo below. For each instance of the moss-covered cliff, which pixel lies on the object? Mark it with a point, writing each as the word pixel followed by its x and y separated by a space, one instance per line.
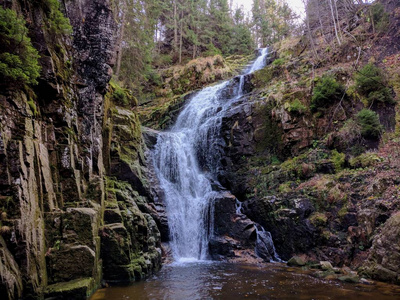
pixel 73 187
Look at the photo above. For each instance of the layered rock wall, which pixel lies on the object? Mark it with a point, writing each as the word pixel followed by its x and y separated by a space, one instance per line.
pixel 60 208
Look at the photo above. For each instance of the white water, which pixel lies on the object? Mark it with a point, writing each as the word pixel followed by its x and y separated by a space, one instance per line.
pixel 187 186
pixel 260 61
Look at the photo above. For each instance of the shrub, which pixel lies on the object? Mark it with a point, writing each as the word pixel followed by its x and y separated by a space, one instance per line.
pixel 278 62
pixel 211 50
pixel 380 17
pixel 350 133
pixel 297 107
pixel 18 58
pixel 58 23
pixel 369 122
pixel 371 84
pixel 326 91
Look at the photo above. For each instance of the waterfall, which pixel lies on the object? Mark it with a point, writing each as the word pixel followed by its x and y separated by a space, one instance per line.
pixel 265 246
pixel 185 162
pixel 260 61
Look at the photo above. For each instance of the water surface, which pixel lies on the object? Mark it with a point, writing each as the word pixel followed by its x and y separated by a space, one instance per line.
pixel 212 280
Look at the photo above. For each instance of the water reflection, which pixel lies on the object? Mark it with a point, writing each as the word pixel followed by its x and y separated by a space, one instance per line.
pixel 210 280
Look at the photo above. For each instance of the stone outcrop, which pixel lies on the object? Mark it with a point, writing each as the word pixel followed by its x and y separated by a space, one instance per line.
pixel 70 204
pixel 384 260
pixel 234 236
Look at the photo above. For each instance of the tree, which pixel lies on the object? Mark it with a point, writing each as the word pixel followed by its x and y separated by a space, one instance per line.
pixel 18 58
pixel 272 21
pixel 138 20
pixel 241 42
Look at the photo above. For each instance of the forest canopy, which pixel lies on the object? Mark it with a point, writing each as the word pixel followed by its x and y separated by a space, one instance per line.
pixel 155 34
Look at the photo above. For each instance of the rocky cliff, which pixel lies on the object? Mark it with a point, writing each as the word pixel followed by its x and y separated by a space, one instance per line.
pixel 314 173
pixel 73 189
pixel 325 189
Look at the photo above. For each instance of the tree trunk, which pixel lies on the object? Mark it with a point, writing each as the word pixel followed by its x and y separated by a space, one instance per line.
pixel 119 43
pixel 175 28
pixel 180 41
pixel 334 22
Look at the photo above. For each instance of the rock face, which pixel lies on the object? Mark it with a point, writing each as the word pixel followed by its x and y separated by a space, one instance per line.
pixel 383 261
pixel 74 198
pixel 234 236
pixel 291 230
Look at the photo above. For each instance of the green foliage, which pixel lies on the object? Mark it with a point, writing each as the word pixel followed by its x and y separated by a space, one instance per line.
pixel 279 62
pixel 326 91
pixel 380 17
pixel 369 122
pixel 162 60
pixel 58 23
pixel 18 58
pixel 338 160
pixel 297 107
pixel 272 21
pixel 211 50
pixel 371 84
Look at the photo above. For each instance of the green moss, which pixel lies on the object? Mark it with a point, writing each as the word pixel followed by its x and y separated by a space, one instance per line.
pixel 264 76
pixel 75 288
pixel 343 211
pixel 318 219
pixel 338 160
pixel 122 97
pixel 285 187
pixel 33 107
pixel 269 136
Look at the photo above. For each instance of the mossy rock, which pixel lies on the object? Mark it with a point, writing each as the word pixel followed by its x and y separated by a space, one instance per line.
pixel 78 289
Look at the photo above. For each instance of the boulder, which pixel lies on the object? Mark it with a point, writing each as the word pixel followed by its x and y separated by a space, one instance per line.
pixel 384 259
pixel 296 261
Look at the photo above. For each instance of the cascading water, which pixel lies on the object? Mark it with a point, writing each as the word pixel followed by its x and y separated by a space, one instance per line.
pixel 187 186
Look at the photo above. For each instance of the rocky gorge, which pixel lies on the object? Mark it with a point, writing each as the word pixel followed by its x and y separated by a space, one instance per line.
pixel 79 200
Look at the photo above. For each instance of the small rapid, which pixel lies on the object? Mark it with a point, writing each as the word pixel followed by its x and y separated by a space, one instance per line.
pixel 186 161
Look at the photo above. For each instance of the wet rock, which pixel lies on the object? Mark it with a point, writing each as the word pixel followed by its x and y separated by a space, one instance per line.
pixel 150 137
pixel 232 231
pixel 287 221
pixel 296 261
pixel 265 246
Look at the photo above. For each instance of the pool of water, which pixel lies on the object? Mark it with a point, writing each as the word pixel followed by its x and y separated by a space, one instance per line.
pixel 211 280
